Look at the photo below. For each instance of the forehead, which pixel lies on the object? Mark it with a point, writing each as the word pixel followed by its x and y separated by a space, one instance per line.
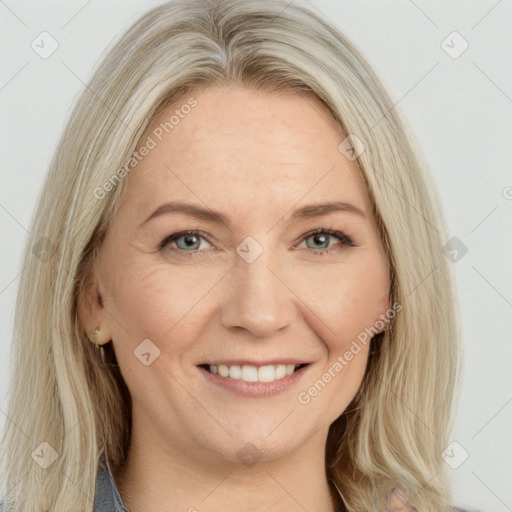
pixel 245 149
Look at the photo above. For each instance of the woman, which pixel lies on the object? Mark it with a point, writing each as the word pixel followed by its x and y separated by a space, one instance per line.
pixel 185 342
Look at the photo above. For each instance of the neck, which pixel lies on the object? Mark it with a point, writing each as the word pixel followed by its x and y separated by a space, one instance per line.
pixel 152 478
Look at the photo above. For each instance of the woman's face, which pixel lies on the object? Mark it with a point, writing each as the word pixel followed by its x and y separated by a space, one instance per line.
pixel 251 286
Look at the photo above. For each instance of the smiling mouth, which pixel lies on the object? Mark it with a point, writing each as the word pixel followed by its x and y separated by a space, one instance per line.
pixel 249 373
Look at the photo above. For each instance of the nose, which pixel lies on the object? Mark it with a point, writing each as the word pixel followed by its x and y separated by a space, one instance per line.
pixel 259 299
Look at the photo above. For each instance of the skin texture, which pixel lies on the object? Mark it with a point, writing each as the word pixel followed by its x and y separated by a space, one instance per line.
pixel 255 156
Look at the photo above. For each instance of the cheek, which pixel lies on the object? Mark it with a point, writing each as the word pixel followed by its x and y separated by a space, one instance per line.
pixel 341 310
pixel 156 305
pixel 344 300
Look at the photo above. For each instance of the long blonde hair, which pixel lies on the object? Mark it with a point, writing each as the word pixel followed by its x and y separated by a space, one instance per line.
pixel 394 431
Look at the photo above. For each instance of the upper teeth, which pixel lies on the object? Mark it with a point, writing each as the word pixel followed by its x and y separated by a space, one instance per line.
pixel 250 373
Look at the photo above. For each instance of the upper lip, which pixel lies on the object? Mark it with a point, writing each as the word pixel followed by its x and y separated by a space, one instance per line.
pixel 242 362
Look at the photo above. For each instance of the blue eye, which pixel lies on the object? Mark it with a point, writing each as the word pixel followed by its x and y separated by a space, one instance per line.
pixel 322 236
pixel 190 241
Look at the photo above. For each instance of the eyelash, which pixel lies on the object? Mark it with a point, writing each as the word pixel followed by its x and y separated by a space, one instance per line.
pixel 346 241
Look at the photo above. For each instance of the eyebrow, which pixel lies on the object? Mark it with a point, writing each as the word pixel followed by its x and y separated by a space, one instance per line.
pixel 306 212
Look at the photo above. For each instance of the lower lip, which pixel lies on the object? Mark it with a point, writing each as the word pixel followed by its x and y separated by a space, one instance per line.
pixel 255 389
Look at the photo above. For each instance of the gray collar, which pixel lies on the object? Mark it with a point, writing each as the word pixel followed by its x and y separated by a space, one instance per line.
pixel 107 496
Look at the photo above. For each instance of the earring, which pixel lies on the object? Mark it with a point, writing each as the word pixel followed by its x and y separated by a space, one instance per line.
pixel 99 349
pixel 94 335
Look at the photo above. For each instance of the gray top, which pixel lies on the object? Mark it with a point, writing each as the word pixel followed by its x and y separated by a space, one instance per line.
pixel 106 497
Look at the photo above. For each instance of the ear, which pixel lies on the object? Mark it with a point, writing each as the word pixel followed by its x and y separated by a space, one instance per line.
pixel 384 307
pixel 91 313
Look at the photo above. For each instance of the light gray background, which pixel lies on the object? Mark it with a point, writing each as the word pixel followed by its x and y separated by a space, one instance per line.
pixel 460 110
